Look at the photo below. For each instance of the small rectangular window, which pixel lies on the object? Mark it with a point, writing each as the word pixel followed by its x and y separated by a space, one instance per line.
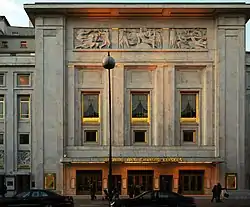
pixel 24 106
pixel 90 107
pixel 23 44
pixel 2 80
pixel 140 136
pixel 2 107
pixel 24 139
pixel 1 138
pixel 4 44
pixel 140 106
pixel 189 107
pixel 90 135
pixel 23 80
pixel 189 135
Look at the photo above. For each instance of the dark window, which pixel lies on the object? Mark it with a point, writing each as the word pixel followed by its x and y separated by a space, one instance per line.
pixel 2 80
pixel 188 105
pixel 4 44
pixel 139 105
pixel 43 194
pixel 1 138
pixel 189 135
pixel 140 136
pixel 91 136
pixel 24 139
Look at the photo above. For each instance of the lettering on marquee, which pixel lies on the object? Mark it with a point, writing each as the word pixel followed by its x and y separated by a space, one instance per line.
pixel 144 159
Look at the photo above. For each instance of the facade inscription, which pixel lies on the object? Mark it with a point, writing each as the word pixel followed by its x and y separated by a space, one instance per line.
pixel 141 38
pixel 92 39
pixel 188 38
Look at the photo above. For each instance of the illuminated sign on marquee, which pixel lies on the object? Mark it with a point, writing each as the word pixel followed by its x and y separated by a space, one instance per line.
pixel 145 159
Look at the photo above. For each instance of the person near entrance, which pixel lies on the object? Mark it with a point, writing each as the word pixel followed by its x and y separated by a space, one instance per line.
pixel 92 190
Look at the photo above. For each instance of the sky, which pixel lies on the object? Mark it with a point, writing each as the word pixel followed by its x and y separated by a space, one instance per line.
pixel 13 9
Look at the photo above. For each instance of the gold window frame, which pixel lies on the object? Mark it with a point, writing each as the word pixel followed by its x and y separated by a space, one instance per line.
pixel 94 119
pixel 2 100
pixel 92 130
pixel 27 100
pixel 135 120
pixel 231 177
pixel 196 119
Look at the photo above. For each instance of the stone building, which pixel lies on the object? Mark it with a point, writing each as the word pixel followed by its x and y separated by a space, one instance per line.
pixel 178 97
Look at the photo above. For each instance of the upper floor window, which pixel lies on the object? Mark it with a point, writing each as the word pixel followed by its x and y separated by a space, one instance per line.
pixel 3 44
pixel 23 80
pixel 2 80
pixel 24 139
pixel 140 106
pixel 24 106
pixel 90 107
pixel 2 108
pixel 1 138
pixel 23 44
pixel 189 107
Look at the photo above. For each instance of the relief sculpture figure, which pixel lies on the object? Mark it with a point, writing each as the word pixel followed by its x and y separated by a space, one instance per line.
pixel 142 38
pixel 188 38
pixel 92 39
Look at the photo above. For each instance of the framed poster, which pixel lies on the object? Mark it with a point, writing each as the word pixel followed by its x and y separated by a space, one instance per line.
pixel 50 181
pixel 73 183
pixel 231 181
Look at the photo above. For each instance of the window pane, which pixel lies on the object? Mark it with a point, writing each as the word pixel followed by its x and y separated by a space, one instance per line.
pixel 1 110
pixel 1 80
pixel 91 105
pixel 140 136
pixel 24 110
pixel 90 136
pixel 23 80
pixel 24 139
pixel 1 139
pixel 188 135
pixel 139 105
pixel 188 105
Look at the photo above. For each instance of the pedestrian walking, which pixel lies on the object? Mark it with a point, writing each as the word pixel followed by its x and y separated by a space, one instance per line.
pixel 218 194
pixel 214 191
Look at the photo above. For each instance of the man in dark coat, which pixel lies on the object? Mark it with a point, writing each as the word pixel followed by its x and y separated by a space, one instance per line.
pixel 219 190
pixel 214 191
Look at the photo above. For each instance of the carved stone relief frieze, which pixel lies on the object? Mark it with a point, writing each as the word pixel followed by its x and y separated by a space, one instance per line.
pixel 23 159
pixel 91 39
pixel 141 38
pixel 1 158
pixel 195 38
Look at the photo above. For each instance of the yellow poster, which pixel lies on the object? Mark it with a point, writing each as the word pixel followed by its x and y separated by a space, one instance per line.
pixel 50 181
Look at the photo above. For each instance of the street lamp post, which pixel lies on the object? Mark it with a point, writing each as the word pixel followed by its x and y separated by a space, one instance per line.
pixel 109 64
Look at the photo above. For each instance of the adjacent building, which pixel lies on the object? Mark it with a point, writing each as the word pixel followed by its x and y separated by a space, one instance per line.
pixel 178 97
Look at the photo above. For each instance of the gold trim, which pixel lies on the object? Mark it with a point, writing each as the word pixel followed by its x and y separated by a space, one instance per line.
pixel 95 119
pixel 136 120
pixel 20 105
pixel 196 119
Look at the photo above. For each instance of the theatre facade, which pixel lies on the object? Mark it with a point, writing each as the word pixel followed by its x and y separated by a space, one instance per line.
pixel 178 96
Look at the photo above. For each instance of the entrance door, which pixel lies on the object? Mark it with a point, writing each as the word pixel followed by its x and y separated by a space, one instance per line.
pixel 117 182
pixel 84 178
pixel 192 181
pixel 143 179
pixel 166 183
pixel 22 183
